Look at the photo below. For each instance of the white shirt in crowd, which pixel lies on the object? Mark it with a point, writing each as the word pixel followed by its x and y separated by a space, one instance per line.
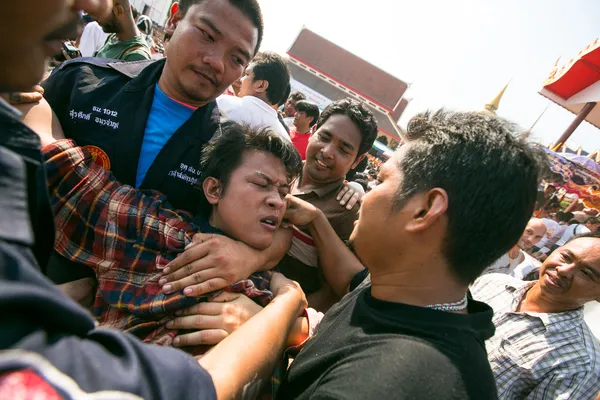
pixel 553 228
pixel 92 39
pixel 519 267
pixel 252 111
pixel 537 355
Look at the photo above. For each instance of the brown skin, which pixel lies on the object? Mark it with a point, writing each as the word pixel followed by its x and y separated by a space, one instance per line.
pixel 120 21
pixel 253 87
pixel 254 196
pixel 302 122
pixel 403 248
pixel 290 107
pixel 569 278
pixel 212 44
pixel 332 151
pixel 31 31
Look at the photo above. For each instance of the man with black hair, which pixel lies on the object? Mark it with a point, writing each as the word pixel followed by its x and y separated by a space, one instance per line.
pixel 345 131
pixel 50 347
pixel 263 87
pixel 125 41
pixel 307 115
pixel 407 328
pixel 147 122
pixel 245 174
pixel 290 104
pixel 542 348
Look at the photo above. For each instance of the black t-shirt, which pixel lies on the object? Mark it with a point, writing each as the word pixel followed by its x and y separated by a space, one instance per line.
pixel 371 349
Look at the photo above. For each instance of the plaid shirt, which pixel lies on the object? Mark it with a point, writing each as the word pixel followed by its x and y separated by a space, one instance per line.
pixel 127 237
pixel 537 355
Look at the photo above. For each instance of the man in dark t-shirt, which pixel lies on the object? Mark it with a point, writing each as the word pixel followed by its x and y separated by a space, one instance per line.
pixel 409 330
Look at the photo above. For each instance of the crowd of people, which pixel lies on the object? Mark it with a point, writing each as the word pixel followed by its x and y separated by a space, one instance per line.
pixel 188 226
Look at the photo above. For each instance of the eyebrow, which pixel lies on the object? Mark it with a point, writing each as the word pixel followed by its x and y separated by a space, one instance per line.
pixel 582 264
pixel 344 143
pixel 217 31
pixel 271 181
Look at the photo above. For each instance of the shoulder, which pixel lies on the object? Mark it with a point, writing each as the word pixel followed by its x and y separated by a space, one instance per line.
pixel 100 67
pixel 398 365
pixel 490 285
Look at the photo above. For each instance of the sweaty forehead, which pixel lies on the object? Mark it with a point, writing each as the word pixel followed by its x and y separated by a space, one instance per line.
pixel 343 128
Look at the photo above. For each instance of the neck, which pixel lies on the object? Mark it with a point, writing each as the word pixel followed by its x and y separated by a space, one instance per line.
pixel 261 97
pixel 306 180
pixel 128 30
pixel 214 220
pixel 416 284
pixel 302 128
pixel 535 300
pixel 514 252
pixel 170 86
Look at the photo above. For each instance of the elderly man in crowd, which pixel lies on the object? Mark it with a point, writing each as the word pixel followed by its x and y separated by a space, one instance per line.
pixel 516 262
pixel 542 348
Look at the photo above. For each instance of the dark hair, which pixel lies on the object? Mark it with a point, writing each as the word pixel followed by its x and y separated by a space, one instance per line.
pixel 223 154
pixel 288 89
pixel 310 109
pixel 271 67
pixel 297 96
pixel 562 216
pixel 359 114
pixel 250 8
pixel 490 175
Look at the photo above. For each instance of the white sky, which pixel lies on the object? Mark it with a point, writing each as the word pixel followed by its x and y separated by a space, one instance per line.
pixel 456 53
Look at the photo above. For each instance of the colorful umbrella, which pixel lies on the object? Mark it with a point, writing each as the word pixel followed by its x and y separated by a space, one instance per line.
pixel 575 178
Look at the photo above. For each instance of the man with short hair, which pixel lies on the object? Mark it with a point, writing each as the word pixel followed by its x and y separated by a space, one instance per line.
pixel 407 326
pixel 542 348
pixel 307 115
pixel 263 86
pixel 245 175
pixel 124 42
pixel 148 122
pixel 50 347
pixel 344 133
pixel 516 262
pixel 290 105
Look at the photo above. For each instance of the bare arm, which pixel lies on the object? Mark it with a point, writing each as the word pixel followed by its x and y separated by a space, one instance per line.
pixel 213 262
pixel 251 352
pixel 40 119
pixel 338 263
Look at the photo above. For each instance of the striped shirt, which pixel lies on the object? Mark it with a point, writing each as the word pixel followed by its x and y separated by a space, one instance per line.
pixel 537 355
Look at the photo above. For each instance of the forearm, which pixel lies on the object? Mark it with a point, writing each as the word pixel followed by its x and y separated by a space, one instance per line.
pixel 252 351
pixel 338 263
pixel 270 257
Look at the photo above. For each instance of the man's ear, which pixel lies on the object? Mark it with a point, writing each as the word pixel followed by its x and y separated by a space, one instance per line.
pixel 358 160
pixel 212 190
pixel 261 86
pixel 118 10
pixel 174 18
pixel 428 210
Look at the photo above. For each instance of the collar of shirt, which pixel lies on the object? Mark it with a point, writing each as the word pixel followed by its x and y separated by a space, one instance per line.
pixel 552 321
pixel 260 104
pixel 320 191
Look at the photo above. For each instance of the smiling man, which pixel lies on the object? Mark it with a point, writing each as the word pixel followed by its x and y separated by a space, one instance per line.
pixel 542 348
pixel 345 131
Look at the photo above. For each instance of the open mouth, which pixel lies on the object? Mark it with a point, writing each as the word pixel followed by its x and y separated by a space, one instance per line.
pixel 321 164
pixel 270 223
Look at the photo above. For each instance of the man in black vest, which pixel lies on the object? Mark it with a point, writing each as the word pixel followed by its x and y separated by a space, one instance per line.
pixel 147 122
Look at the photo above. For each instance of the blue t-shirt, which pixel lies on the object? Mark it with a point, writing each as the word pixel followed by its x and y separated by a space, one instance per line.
pixel 166 116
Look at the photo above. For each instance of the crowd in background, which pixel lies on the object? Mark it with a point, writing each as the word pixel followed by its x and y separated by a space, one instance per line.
pixel 178 222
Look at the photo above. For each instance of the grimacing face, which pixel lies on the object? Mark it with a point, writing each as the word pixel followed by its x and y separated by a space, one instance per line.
pixel 211 47
pixel 33 30
pixel 252 206
pixel 571 274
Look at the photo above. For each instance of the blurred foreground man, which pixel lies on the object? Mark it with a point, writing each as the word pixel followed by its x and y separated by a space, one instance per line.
pixel 406 329
pixel 49 345
pixel 543 349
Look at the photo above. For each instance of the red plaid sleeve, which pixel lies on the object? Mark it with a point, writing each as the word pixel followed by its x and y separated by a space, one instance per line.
pixel 127 237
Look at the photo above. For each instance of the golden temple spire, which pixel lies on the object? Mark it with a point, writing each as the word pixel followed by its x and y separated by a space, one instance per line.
pixel 493 105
